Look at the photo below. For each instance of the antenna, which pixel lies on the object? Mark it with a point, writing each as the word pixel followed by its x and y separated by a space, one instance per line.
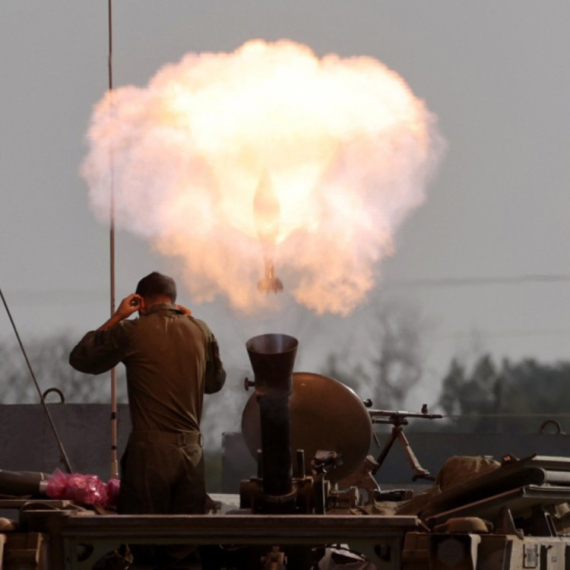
pixel 114 462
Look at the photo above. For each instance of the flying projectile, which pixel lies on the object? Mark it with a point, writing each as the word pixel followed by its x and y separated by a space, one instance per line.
pixel 267 212
pixel 270 283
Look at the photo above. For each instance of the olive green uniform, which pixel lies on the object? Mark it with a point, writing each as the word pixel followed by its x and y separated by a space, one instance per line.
pixel 171 361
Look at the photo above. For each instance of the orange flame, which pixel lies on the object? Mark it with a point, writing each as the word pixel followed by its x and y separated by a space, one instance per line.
pixel 323 158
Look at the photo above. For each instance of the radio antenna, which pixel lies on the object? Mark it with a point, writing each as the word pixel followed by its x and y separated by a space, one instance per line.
pixel 114 462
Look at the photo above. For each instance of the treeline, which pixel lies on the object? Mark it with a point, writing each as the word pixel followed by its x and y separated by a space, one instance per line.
pixel 506 397
pixel 49 361
pixel 488 396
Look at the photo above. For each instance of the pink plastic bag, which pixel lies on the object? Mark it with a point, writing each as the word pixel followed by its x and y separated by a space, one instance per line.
pixel 113 488
pixel 83 489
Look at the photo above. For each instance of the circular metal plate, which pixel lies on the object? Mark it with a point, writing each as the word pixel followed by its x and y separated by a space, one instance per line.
pixel 325 415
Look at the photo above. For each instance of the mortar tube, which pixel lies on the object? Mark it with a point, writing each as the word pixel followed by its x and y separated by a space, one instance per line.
pixel 276 444
pixel 272 357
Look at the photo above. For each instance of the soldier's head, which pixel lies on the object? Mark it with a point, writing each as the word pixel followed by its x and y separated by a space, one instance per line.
pixel 156 288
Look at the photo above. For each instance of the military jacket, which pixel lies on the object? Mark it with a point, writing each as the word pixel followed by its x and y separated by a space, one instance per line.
pixel 171 359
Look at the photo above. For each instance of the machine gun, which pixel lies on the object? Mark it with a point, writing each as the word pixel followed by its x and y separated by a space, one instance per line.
pixel 398 419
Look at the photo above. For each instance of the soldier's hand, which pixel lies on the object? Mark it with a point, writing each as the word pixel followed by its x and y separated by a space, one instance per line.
pixel 185 310
pixel 128 306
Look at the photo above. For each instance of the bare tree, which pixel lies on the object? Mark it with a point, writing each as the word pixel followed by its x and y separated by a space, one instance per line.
pixel 49 360
pixel 394 362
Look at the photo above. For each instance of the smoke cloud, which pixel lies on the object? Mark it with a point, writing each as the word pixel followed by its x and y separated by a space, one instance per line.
pixel 344 144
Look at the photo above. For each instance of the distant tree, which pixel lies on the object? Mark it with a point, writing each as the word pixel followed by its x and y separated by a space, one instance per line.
pixel 49 360
pixel 452 384
pixel 488 398
pixel 395 357
pixel 353 377
pixel 537 388
pixel 399 358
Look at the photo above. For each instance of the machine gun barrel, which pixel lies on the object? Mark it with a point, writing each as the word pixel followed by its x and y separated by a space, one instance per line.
pixel 399 417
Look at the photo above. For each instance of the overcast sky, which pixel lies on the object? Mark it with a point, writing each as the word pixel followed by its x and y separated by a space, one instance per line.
pixel 497 75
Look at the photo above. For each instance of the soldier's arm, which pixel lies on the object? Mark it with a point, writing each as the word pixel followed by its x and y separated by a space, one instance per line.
pixel 215 373
pixel 99 351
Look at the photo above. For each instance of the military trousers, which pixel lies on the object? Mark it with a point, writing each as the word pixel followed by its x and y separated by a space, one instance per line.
pixel 162 473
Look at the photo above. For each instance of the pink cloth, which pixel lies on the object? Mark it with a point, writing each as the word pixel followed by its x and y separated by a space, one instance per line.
pixel 83 489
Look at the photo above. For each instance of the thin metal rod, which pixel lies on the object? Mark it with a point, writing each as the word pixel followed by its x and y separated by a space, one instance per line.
pixel 114 462
pixel 63 457
pixel 110 60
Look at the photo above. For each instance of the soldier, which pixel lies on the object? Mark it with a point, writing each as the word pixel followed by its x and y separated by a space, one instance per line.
pixel 172 359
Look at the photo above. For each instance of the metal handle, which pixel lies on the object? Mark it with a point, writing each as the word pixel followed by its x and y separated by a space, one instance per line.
pixel 555 423
pixel 57 391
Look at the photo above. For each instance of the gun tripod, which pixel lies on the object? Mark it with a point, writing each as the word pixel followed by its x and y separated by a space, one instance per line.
pixel 398 421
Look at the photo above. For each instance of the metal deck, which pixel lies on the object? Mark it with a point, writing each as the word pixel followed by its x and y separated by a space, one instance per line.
pixel 380 538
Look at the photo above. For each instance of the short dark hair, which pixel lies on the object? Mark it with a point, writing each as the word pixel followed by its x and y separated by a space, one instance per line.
pixel 157 285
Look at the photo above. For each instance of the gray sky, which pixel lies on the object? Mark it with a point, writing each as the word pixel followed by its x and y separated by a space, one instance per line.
pixel 497 74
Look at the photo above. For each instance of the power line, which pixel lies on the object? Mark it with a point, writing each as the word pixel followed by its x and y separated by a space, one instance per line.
pixel 53 295
pixel 503 334
pixel 478 281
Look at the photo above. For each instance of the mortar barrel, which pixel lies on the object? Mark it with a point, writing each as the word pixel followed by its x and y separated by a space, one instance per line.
pixel 272 358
